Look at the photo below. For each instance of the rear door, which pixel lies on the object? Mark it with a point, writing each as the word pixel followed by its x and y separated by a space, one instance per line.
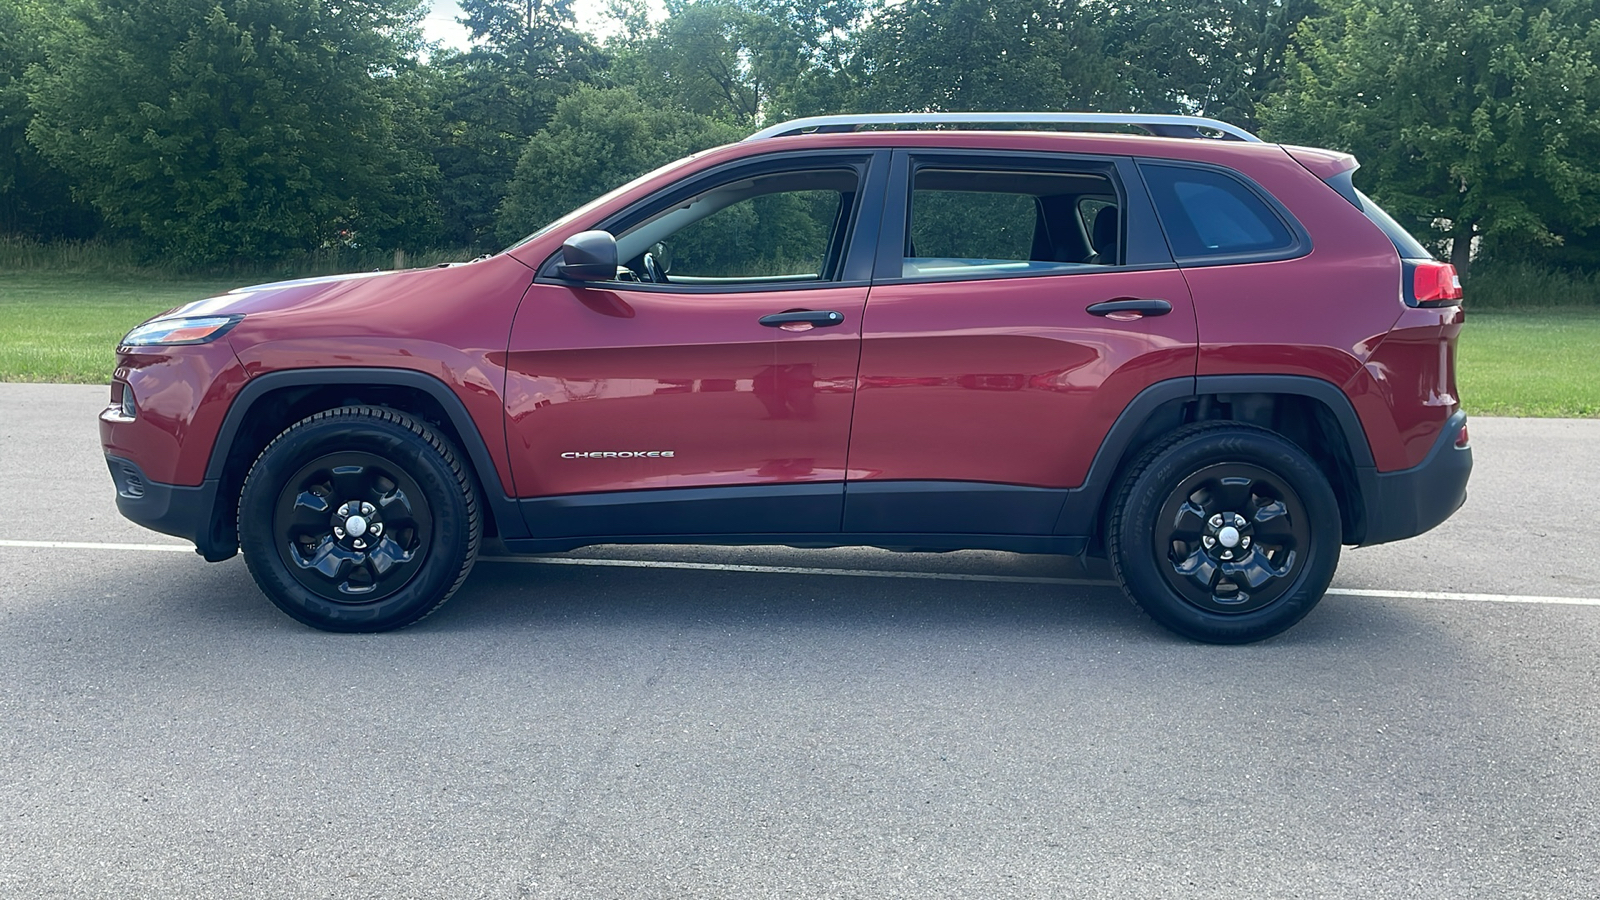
pixel 1019 302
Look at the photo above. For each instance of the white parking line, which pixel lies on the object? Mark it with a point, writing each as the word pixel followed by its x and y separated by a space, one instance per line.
pixel 81 545
pixel 1470 598
pixel 851 573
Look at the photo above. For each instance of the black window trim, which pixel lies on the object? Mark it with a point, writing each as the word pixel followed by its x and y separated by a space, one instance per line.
pixel 871 166
pixel 1302 237
pixel 1139 216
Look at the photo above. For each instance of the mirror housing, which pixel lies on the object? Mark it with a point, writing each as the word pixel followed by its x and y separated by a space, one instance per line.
pixel 589 256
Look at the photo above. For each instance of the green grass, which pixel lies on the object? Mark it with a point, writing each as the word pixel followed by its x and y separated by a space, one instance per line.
pixel 63 327
pixel 1537 361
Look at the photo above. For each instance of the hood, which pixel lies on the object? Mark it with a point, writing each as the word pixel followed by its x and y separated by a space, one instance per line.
pixel 273 295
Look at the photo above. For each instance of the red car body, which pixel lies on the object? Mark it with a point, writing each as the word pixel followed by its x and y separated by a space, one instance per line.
pixel 971 412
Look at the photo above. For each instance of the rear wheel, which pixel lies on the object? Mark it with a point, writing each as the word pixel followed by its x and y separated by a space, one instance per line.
pixel 359 519
pixel 1225 533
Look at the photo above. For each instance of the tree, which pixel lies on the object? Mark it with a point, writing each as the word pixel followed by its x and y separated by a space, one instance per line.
pixel 1217 58
pixel 1473 120
pixel 492 98
pixel 35 198
pixel 238 129
pixel 599 139
pixel 962 55
pixel 745 61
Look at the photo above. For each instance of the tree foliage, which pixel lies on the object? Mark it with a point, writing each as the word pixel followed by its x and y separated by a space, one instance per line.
pixel 959 55
pixel 1473 120
pixel 217 130
pixel 236 129
pixel 35 197
pixel 1217 58
pixel 490 99
pixel 599 139
pixel 741 60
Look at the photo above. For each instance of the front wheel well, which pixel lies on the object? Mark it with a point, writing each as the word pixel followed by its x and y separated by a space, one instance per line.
pixel 274 411
pixel 1304 420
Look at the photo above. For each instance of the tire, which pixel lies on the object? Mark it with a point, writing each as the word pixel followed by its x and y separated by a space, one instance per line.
pixel 1225 533
pixel 359 519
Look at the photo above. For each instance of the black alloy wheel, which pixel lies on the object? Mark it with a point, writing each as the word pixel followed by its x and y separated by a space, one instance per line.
pixel 352 526
pixel 1225 533
pixel 1231 537
pixel 359 518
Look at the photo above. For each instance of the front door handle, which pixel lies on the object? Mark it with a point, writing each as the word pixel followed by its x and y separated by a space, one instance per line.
pixel 803 319
pixel 1130 307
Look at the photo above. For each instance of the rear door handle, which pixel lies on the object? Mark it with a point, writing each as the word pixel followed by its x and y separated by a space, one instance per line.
pixel 818 318
pixel 1131 305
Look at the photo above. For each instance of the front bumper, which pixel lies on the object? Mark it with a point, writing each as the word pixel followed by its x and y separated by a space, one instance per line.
pixel 178 510
pixel 1411 501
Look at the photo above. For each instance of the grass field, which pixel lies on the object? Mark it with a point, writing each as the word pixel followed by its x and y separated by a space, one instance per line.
pixel 64 328
pixel 1529 361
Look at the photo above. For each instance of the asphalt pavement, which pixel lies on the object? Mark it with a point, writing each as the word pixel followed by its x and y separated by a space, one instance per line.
pixel 736 723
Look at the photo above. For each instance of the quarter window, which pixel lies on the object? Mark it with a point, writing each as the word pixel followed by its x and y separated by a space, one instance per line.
pixel 1210 214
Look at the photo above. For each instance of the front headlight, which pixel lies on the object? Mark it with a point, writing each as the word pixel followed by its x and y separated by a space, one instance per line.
pixel 180 330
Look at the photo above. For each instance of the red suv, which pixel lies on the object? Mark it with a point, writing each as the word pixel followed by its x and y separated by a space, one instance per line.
pixel 1208 358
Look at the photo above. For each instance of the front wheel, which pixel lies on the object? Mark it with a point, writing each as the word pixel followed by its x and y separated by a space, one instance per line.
pixel 1225 533
pixel 359 519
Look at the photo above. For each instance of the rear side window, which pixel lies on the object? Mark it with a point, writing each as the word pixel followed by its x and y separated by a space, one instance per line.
pixel 998 222
pixel 972 225
pixel 1210 215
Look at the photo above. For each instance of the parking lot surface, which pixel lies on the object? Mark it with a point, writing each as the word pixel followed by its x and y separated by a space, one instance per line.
pixel 734 722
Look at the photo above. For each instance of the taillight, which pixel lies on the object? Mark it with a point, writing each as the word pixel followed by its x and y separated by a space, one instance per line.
pixel 1436 284
pixel 1463 440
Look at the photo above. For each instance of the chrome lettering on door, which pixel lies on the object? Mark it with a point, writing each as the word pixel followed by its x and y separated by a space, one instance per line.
pixel 619 454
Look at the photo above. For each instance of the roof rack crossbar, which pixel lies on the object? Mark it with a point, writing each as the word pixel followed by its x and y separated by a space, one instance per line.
pixel 1159 125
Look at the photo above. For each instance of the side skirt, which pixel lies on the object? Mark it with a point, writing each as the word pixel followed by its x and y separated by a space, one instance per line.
pixel 905 543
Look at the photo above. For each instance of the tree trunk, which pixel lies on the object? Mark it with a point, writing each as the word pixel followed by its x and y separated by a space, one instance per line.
pixel 1461 245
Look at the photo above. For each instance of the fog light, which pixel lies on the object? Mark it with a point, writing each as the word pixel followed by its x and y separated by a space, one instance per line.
pixel 129 410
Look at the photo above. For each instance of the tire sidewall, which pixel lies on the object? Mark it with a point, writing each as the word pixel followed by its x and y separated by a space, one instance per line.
pixel 1137 563
pixel 449 546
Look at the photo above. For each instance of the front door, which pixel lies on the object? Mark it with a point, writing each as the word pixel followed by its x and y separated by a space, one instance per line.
pixel 709 388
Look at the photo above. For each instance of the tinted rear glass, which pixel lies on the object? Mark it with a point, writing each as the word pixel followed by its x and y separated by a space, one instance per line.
pixel 1408 246
pixel 1210 214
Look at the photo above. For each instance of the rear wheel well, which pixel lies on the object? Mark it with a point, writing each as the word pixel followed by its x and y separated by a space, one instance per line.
pixel 273 412
pixel 1305 420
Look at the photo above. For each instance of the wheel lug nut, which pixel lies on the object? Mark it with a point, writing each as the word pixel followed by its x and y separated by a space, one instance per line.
pixel 1216 521
pixel 360 544
pixel 1245 542
pixel 338 532
pixel 1238 520
pixel 1227 554
pixel 1209 541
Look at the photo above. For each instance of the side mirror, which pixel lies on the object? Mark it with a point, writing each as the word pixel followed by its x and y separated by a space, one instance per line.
pixel 589 256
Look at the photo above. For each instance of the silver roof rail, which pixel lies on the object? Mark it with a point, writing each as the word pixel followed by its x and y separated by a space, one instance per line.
pixel 1158 125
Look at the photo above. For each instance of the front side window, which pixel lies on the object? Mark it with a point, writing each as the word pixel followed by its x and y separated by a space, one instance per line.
pixel 773 228
pixel 1211 214
pixel 975 223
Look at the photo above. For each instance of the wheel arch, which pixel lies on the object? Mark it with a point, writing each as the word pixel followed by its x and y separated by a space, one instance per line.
pixel 271 402
pixel 1314 414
